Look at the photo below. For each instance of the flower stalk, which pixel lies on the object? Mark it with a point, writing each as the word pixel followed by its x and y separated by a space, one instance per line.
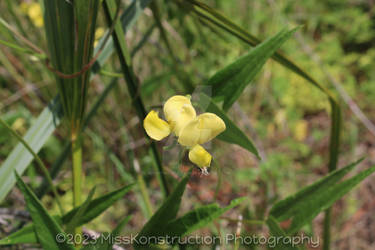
pixel 77 174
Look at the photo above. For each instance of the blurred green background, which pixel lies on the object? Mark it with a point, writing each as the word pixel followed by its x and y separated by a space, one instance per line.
pixel 284 115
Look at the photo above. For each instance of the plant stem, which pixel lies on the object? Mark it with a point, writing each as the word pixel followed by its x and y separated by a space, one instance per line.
pixel 145 194
pixel 132 84
pixel 327 229
pixel 77 174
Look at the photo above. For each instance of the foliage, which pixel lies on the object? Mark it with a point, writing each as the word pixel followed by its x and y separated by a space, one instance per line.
pixel 121 59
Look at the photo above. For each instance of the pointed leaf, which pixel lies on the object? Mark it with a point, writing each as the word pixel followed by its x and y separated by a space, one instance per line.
pixel 277 232
pixel 97 206
pixel 165 213
pixel 94 208
pixel 24 235
pixel 197 218
pixel 320 202
pixel 73 223
pixel 46 227
pixel 287 207
pixel 229 82
pixel 232 134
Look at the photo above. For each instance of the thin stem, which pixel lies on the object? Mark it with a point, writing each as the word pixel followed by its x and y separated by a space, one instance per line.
pixel 131 81
pixel 145 194
pixel 327 229
pixel 40 163
pixel 77 174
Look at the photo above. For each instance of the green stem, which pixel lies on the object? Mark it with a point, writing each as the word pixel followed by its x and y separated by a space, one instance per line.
pixel 327 229
pixel 132 84
pixel 77 174
pixel 145 194
pixel 40 163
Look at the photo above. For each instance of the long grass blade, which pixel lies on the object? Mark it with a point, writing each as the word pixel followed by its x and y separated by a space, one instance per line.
pixel 126 66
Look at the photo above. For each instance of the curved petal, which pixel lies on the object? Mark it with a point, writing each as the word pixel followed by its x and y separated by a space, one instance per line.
pixel 199 156
pixel 155 127
pixel 201 130
pixel 178 111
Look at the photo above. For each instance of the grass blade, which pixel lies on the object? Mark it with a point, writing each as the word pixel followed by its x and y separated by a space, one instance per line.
pixel 20 158
pixel 49 120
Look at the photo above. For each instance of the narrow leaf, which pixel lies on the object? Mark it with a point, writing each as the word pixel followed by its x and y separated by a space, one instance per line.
pixel 166 213
pixel 36 136
pixel 97 206
pixel 46 227
pixel 94 208
pixel 73 223
pixel 320 201
pixel 277 232
pixel 232 133
pixel 288 207
pixel 197 218
pixel 229 82
pixel 24 235
pixel 46 123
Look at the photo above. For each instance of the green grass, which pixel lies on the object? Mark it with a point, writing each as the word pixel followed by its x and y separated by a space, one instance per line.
pixel 72 115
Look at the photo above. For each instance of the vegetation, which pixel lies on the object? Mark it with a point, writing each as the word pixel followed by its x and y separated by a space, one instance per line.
pixel 186 124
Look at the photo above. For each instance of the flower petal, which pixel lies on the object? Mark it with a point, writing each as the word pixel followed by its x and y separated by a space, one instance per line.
pixel 199 156
pixel 201 130
pixel 178 111
pixel 155 127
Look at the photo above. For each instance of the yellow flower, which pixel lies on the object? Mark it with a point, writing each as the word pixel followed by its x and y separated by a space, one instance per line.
pixel 35 13
pixel 191 130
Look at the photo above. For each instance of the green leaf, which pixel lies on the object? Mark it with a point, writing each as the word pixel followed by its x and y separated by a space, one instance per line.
pixel 36 136
pixel 104 242
pixel 166 213
pixel 288 207
pixel 46 227
pixel 94 208
pixel 228 83
pixel 24 235
pixel 305 208
pixel 73 223
pixel 277 232
pixel 97 206
pixel 132 84
pixel 46 123
pixel 121 225
pixel 197 218
pixel 128 19
pixel 232 134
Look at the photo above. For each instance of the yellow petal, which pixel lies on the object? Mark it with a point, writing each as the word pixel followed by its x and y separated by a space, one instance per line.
pixel 201 130
pixel 199 156
pixel 155 127
pixel 178 111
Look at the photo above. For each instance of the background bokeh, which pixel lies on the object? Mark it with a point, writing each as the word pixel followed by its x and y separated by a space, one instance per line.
pixel 285 116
